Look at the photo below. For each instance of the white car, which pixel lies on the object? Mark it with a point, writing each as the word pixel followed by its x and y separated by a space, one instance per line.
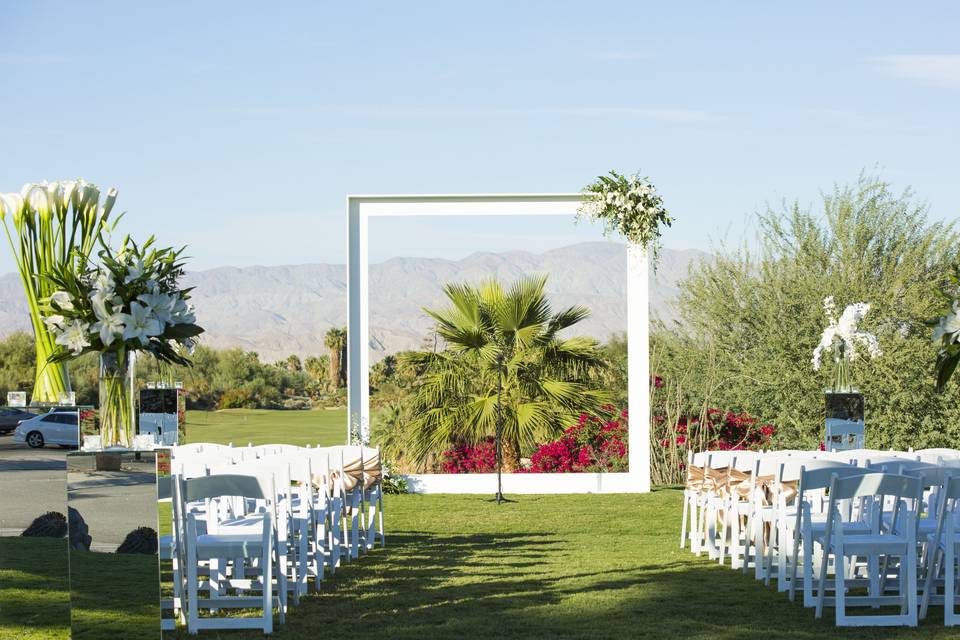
pixel 53 427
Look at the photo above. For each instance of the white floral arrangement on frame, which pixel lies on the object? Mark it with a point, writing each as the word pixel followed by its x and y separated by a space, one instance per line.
pixel 843 338
pixel 628 205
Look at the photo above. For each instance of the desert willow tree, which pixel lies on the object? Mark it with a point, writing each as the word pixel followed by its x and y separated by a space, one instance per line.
pixel 759 311
pixel 545 376
pixel 55 228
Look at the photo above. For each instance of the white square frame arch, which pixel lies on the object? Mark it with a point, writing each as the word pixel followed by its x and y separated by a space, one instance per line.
pixel 360 208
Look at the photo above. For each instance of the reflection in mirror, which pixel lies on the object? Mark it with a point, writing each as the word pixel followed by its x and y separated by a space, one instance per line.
pixel 114 570
pixel 34 599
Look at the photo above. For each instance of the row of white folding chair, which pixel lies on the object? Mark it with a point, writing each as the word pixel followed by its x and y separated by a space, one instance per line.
pixel 872 529
pixel 813 501
pixel 249 541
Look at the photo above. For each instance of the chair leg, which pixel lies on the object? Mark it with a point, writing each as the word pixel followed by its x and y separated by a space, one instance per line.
pixel 840 587
pixel 950 617
pixel 683 521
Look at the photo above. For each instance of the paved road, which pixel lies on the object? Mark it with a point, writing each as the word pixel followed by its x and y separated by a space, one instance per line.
pixel 32 482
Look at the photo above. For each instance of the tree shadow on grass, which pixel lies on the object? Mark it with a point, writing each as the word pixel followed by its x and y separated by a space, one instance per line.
pixel 427 586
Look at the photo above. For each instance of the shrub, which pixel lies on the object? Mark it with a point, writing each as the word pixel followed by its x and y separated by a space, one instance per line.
pixel 596 443
pixel 715 429
pixel 469 458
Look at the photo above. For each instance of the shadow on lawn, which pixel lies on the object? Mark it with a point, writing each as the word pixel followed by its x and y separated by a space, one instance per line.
pixel 427 586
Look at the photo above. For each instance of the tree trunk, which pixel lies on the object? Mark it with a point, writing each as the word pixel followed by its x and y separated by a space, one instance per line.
pixel 335 367
pixel 342 375
pixel 511 455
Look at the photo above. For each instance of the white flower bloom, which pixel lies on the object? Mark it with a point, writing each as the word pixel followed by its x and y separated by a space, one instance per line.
pixel 110 328
pixel 843 334
pixel 134 272
pixel 183 313
pixel 75 337
pixel 63 300
pixel 55 323
pixel 949 326
pixel 99 301
pixel 158 304
pixel 140 325
pixel 104 281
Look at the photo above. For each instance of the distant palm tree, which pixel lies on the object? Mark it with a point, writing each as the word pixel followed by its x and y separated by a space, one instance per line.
pixel 544 375
pixel 336 340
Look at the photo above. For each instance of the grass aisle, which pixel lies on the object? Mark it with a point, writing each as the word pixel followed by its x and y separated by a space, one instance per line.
pixel 550 567
pixel 583 566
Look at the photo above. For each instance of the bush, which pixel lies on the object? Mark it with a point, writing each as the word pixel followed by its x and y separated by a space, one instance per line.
pixel 469 458
pixel 593 444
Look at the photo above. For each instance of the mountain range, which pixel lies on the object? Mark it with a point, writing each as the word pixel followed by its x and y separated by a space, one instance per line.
pixel 279 310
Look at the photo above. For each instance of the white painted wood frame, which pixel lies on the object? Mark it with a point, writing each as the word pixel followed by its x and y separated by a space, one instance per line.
pixel 361 208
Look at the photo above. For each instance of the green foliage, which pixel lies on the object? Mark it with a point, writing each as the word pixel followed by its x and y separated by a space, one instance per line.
pixel 514 331
pixel 630 206
pixel 751 319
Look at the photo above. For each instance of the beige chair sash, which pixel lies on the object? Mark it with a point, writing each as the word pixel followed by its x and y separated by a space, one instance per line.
pixel 695 478
pixel 371 473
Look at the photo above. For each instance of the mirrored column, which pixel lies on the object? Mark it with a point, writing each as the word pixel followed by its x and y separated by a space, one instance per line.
pixel 113 544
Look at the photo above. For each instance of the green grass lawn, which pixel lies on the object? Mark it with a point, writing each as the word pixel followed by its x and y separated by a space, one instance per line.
pixel 263 426
pixel 578 566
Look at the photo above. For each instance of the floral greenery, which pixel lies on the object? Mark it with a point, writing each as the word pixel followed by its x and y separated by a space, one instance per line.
pixel 392 483
pixel 946 332
pixel 470 458
pixel 596 443
pixel 56 226
pixel 131 301
pixel 628 205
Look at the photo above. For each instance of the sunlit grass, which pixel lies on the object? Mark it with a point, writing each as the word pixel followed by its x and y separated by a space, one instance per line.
pixel 262 426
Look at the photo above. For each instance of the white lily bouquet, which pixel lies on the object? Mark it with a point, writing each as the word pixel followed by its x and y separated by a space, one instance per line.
pixel 130 302
pixel 946 331
pixel 628 205
pixel 842 338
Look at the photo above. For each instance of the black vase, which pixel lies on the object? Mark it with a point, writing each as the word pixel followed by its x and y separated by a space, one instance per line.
pixel 844 421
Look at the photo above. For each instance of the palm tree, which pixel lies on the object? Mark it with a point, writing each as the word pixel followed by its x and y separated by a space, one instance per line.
pixel 544 375
pixel 336 340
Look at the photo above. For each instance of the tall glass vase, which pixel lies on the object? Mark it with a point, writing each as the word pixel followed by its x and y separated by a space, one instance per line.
pixel 51 380
pixel 116 399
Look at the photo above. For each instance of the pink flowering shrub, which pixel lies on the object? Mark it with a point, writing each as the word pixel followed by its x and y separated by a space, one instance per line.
pixel 470 458
pixel 593 444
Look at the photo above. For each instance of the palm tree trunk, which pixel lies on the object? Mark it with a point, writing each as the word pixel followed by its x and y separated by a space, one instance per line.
pixel 511 455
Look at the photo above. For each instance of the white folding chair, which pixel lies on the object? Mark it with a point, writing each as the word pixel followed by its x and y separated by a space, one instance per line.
pixel 254 544
pixel 873 489
pixel 944 551
pixel 809 521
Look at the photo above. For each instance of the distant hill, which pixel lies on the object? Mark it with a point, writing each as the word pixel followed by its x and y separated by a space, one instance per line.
pixel 277 311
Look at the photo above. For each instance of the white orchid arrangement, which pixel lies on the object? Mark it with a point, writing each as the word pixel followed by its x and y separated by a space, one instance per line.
pixel 946 331
pixel 131 301
pixel 844 340
pixel 628 205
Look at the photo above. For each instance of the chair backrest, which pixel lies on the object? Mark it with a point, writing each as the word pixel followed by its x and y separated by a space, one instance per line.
pixel 223 485
pixel 935 456
pixel 895 465
pixel 745 461
pixel 793 468
pixel 815 478
pixel 720 459
pixel 875 484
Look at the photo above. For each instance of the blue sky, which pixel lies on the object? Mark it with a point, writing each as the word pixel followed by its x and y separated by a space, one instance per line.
pixel 238 127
